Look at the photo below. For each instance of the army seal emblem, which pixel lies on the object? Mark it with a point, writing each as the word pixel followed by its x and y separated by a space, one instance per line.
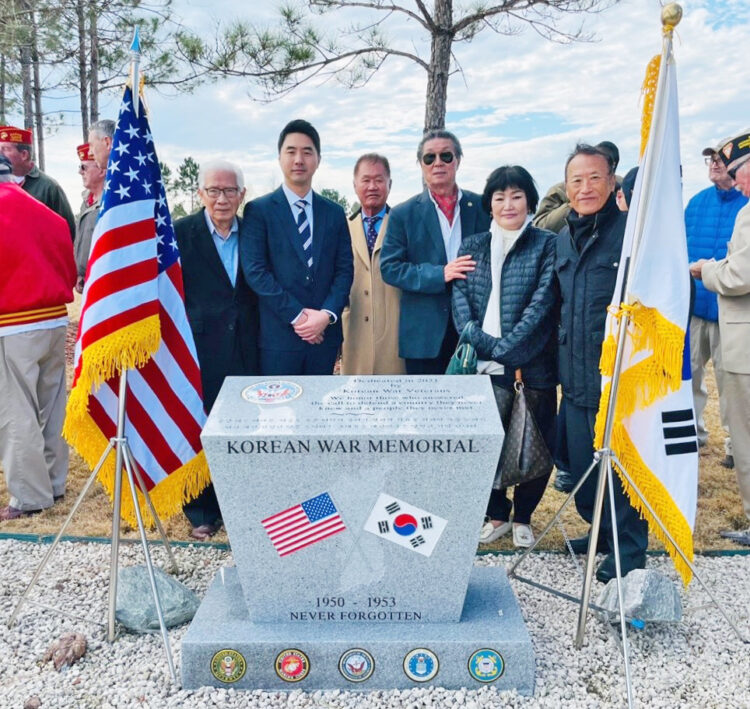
pixel 228 666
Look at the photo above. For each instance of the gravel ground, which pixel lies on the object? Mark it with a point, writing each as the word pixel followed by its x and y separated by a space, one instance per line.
pixel 697 663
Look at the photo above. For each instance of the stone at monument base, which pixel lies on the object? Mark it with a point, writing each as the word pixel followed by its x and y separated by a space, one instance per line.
pixel 491 639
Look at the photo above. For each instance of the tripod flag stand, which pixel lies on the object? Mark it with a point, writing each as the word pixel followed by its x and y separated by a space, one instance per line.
pixel 137 387
pixel 645 426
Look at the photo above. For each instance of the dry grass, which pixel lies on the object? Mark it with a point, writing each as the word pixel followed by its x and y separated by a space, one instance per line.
pixel 719 505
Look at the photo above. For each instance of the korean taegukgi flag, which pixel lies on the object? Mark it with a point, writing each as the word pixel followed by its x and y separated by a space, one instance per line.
pixel 405 525
pixel 654 435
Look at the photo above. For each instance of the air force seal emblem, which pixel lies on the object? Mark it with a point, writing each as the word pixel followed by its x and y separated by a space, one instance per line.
pixel 421 665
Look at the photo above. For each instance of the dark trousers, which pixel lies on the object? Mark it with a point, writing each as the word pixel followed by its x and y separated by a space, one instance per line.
pixel 632 531
pixel 436 365
pixel 527 496
pixel 203 509
pixel 313 359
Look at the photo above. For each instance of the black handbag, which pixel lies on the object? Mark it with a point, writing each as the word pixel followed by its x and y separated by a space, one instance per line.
pixel 524 455
pixel 464 359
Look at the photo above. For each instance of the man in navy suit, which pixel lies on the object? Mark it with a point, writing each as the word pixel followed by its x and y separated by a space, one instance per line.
pixel 221 308
pixel 296 255
pixel 419 254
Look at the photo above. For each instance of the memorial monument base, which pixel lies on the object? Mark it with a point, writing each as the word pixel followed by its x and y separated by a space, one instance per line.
pixel 224 648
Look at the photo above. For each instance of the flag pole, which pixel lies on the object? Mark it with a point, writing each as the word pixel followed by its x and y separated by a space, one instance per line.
pixel 135 61
pixel 670 17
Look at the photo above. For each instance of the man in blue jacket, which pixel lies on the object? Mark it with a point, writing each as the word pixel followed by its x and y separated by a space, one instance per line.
pixel 709 220
pixel 420 254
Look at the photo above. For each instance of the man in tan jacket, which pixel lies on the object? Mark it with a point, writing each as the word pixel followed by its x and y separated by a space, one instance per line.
pixel 370 321
pixel 730 278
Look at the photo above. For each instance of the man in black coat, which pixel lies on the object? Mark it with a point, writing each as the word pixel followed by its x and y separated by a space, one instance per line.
pixel 587 258
pixel 420 254
pixel 221 308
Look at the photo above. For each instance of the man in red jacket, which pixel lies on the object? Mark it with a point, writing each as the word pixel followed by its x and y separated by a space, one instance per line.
pixel 37 275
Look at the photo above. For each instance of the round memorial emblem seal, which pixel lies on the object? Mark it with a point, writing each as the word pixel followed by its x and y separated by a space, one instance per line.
pixel 292 665
pixel 278 391
pixel 356 665
pixel 486 665
pixel 228 666
pixel 421 664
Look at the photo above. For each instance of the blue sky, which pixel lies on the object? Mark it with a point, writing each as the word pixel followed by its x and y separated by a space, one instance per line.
pixel 521 99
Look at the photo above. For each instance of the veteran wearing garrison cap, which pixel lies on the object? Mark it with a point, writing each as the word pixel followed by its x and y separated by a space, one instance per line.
pixel 730 279
pixel 15 145
pixel 93 182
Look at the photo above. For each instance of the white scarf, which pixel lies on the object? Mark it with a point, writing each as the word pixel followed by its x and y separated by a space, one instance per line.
pixel 501 242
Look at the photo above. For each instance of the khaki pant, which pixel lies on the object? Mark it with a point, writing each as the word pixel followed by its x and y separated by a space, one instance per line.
pixel 704 345
pixel 32 411
pixel 738 414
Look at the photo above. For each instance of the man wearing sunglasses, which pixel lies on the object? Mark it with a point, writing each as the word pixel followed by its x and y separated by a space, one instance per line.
pixel 221 308
pixel 709 220
pixel 729 277
pixel 419 254
pixel 92 177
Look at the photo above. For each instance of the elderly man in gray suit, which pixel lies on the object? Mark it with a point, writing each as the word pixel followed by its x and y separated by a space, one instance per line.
pixel 420 254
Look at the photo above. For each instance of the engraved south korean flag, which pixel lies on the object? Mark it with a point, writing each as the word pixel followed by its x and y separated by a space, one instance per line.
pixel 405 525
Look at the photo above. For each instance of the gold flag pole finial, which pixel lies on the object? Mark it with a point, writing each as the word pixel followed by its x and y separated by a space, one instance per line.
pixel 670 16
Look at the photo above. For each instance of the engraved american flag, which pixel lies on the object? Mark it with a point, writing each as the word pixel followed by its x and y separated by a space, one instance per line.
pixel 304 524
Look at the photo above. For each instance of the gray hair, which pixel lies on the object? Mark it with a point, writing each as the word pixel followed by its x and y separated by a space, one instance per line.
pixel 211 165
pixel 439 133
pixel 105 128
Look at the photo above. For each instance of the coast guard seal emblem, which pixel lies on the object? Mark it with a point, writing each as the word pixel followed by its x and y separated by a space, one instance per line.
pixel 421 665
pixel 356 665
pixel 292 665
pixel 228 666
pixel 272 392
pixel 486 665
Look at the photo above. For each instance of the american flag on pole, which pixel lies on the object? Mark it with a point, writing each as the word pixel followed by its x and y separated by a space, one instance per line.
pixel 300 526
pixel 133 317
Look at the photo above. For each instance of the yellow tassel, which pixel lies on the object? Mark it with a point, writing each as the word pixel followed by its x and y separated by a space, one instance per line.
pixel 168 496
pixel 639 386
pixel 127 348
pixel 649 96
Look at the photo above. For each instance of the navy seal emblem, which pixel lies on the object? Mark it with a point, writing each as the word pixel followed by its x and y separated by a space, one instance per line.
pixel 356 665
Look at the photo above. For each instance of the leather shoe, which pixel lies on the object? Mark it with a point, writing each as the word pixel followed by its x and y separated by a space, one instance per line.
pixel 203 532
pixel 740 536
pixel 564 481
pixel 8 513
pixel 580 545
pixel 606 570
pixel 490 532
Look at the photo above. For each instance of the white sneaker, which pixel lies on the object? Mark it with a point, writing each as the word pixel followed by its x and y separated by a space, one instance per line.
pixel 522 535
pixel 490 532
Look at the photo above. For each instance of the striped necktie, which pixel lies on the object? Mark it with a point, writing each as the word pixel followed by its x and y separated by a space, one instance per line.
pixel 303 227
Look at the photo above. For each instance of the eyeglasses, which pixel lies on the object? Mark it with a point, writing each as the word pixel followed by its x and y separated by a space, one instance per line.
pixel 228 192
pixel 712 159
pixel 429 158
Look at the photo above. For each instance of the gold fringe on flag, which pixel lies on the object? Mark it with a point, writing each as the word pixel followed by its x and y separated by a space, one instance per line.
pixel 126 348
pixel 648 91
pixel 640 386
pixel 168 496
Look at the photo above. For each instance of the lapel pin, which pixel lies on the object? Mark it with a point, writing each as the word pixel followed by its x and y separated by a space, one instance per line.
pixel 469 204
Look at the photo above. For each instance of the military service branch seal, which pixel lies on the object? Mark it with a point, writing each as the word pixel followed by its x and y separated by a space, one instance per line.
pixel 486 665
pixel 228 666
pixel 356 665
pixel 292 665
pixel 421 665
